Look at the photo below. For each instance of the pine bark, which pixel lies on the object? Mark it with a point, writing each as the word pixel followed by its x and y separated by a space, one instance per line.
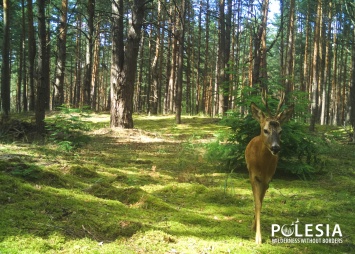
pixel 315 69
pixel 124 62
pixel 155 84
pixel 260 65
pixel 5 71
pixel 95 79
pixel 221 77
pixel 78 62
pixel 179 80
pixel 31 56
pixel 352 89
pixel 290 46
pixel 58 97
pixel 89 54
pixel 43 72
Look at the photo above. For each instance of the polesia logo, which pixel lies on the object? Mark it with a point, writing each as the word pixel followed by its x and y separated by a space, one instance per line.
pixel 297 232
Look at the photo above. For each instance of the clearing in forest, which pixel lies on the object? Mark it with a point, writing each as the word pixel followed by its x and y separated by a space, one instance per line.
pixel 152 190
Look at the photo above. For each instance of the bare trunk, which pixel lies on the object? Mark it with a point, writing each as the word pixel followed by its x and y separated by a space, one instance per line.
pixel 89 54
pixel 58 98
pixel 324 116
pixel 31 56
pixel 315 68
pixel 352 89
pixel 21 69
pixel 181 37
pixel 42 71
pixel 153 105
pixel 221 57
pixel 290 46
pixel 5 74
pixel 95 70
pixel 78 63
pixel 172 78
pixel 124 63
pixel 334 108
pixel 260 64
pixel 206 86
pixel 24 74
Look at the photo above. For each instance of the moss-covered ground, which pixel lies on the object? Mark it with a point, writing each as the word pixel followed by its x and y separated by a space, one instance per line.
pixel 151 190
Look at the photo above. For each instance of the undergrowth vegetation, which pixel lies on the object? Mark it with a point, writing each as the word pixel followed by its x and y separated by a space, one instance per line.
pixel 65 128
pixel 153 190
pixel 300 149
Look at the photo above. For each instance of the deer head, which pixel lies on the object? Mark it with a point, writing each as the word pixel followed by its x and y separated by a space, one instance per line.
pixel 270 124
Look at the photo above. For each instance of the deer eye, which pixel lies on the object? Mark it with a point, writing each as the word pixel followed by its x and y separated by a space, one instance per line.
pixel 266 132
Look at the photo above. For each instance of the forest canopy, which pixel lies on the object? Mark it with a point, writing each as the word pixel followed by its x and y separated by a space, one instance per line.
pixel 178 56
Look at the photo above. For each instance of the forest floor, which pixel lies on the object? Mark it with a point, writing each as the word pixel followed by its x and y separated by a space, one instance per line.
pixel 151 190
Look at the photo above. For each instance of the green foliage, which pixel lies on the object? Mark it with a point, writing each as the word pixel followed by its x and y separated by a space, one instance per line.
pixel 300 150
pixel 25 171
pixel 66 128
pixel 299 154
pixel 19 168
pixel 229 147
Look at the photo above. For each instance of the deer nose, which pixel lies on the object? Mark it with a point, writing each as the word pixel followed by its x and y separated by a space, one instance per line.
pixel 275 149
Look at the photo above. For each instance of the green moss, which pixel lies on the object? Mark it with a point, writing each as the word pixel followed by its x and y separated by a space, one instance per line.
pixel 81 171
pixel 152 191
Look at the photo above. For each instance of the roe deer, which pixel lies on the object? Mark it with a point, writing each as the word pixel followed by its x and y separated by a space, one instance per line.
pixel 261 154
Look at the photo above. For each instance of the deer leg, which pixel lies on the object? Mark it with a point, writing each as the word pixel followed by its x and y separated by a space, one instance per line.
pixel 259 190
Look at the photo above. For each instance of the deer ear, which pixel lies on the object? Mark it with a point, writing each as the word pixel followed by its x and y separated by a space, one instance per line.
pixel 256 112
pixel 285 115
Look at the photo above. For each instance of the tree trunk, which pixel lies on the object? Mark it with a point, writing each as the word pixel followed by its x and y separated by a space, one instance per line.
pixel 78 63
pixel 95 70
pixel 160 75
pixel 189 62
pixel 21 56
pixel 42 70
pixel 250 53
pixel 334 105
pixel 263 60
pixel 221 77
pixel 206 85
pixel 58 98
pixel 226 85
pixel 46 62
pixel 172 77
pixel 31 56
pixel 24 73
pixel 139 98
pixel 324 116
pixel 89 54
pixel 5 75
pixel 168 59
pixel 282 42
pixel 315 73
pixel 305 83
pixel 124 63
pixel 155 81
pixel 290 46
pixel 260 66
pixel 199 95
pixel 179 80
pixel 352 89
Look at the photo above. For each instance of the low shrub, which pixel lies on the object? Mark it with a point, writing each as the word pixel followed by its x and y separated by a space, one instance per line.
pixel 66 128
pixel 299 149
